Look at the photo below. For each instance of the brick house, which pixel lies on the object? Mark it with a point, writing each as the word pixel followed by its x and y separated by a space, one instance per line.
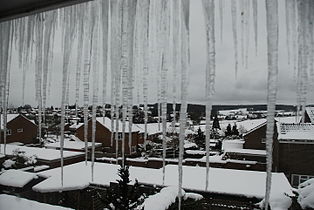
pixel 103 135
pixel 293 148
pixel 294 151
pixel 20 129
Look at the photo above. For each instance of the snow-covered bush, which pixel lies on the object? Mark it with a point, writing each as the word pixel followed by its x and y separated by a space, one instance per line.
pixel 306 194
pixel 19 160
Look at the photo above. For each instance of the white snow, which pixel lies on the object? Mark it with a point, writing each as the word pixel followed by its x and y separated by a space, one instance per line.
pixel 193 196
pixel 107 124
pixel 40 153
pixel 296 132
pixel 9 118
pixel 247 151
pixel 16 178
pixel 41 168
pixel 232 144
pixel 306 194
pixel 163 199
pixel 8 163
pixel 10 202
pixel 73 143
pixel 152 128
pixel 195 152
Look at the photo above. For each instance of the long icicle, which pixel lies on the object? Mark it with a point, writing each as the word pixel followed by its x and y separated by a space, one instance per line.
pixel 185 65
pixel 272 51
pixel 95 66
pixel 105 35
pixel 235 34
pixel 209 16
pixel 255 21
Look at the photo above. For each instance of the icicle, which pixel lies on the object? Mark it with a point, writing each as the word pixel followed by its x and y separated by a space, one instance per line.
pixel 39 69
pixel 95 67
pixel 80 51
pixel 209 15
pixel 247 30
pixel 221 6
pixel 68 30
pixel 235 34
pixel 105 21
pixel 131 27
pixel 255 21
pixel 272 51
pixel 185 62
pixel 124 69
pixel 86 73
pixel 6 42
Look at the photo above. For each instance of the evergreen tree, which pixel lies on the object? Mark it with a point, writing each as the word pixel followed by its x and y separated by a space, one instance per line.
pixel 200 138
pixel 228 132
pixel 216 124
pixel 123 196
pixel 235 130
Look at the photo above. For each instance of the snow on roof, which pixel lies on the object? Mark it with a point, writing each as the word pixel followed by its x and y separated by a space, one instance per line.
pixel 233 111
pixel 15 203
pixel 152 128
pixel 223 181
pixel 76 125
pixel 41 153
pixel 78 176
pixel 73 143
pixel 107 124
pixel 297 132
pixel 9 118
pixel 310 113
pixel 16 178
pixel 246 151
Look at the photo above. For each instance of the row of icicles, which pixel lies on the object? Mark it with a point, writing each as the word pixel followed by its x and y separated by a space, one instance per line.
pixel 132 41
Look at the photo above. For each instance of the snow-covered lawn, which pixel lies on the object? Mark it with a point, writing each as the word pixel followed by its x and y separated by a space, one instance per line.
pixel 10 202
pixel 73 143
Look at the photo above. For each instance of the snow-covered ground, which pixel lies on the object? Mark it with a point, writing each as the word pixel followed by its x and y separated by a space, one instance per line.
pixel 10 202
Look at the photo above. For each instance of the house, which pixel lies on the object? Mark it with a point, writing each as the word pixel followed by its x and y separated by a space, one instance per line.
pixel 104 132
pixel 294 151
pixel 309 115
pixel 19 129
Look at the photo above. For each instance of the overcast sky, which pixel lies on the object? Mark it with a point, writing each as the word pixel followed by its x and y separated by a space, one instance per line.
pixel 249 87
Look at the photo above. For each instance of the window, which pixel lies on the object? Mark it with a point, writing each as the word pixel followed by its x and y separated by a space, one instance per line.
pixel 264 140
pixel 133 149
pixel 8 132
pixel 297 179
pixel 20 130
pixel 120 136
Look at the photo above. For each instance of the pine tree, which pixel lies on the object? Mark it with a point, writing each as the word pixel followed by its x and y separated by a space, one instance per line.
pixel 235 130
pixel 200 138
pixel 228 131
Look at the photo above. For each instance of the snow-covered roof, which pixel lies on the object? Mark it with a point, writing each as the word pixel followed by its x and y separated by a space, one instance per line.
pixel 78 176
pixel 107 124
pixel 14 203
pixel 233 111
pixel 16 178
pixel 152 128
pixel 310 113
pixel 73 143
pixel 41 153
pixel 224 181
pixel 295 133
pixel 13 116
pixel 247 151
pixel 9 118
pixel 76 125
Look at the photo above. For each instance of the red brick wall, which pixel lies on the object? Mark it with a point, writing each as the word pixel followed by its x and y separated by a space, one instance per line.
pixel 28 135
pixel 253 140
pixel 103 135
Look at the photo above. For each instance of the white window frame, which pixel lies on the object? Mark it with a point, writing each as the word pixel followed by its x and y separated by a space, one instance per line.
pixel 20 130
pixel 263 140
pixel 9 132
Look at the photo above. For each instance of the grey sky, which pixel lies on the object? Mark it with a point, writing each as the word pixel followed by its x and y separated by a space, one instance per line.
pixel 248 87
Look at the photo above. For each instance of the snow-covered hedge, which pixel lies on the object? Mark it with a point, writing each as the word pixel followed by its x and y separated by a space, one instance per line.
pixel 306 194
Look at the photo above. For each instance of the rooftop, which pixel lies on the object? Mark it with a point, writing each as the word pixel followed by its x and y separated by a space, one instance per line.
pixel 295 133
